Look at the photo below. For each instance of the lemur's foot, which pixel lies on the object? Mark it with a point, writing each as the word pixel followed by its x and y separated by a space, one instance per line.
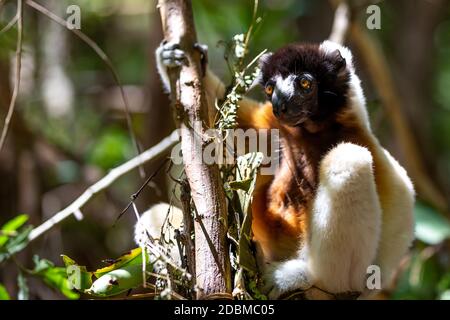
pixel 170 55
pixel 281 278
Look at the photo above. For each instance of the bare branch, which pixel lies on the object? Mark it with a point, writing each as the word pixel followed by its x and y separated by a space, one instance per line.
pixel 10 24
pixel 15 94
pixel 341 23
pixel 105 182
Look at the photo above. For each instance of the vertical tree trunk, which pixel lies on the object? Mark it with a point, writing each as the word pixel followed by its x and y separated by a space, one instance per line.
pixel 212 261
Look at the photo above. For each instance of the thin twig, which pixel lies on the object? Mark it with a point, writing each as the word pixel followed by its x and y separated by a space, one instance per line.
pixel 250 29
pixel 10 24
pixel 17 75
pixel 188 226
pixel 135 195
pixel 91 43
pixel 106 181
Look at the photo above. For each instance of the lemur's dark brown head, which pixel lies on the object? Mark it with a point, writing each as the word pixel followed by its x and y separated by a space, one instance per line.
pixel 305 82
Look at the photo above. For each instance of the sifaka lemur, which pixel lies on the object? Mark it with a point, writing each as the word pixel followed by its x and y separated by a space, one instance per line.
pixel 338 202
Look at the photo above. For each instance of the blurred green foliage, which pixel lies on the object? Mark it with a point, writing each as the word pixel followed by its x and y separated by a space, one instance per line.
pixel 427 272
pixel 4 295
pixel 111 148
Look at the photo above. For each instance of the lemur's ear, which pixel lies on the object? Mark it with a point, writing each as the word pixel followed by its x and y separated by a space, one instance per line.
pixel 341 56
pixel 264 58
pixel 338 61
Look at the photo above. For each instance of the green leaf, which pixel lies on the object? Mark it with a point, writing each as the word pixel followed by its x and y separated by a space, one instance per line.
pixel 117 281
pixel 23 287
pixel 131 257
pixel 41 265
pixel 122 274
pixel 431 227
pixel 3 293
pixel 241 185
pixel 12 225
pixel 420 280
pixel 68 261
pixel 54 277
pixel 57 278
pixel 78 276
pixel 15 244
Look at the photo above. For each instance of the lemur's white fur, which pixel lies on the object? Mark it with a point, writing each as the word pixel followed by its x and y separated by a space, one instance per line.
pixel 346 220
pixel 286 85
pixel 355 94
pixel 355 221
pixel 151 223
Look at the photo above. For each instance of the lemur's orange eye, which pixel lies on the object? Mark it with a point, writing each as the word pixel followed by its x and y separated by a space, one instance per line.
pixel 269 89
pixel 305 83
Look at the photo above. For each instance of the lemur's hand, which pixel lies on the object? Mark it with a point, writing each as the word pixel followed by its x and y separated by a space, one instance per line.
pixel 169 55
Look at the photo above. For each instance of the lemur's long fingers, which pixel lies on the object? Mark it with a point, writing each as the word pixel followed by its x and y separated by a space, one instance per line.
pixel 171 56
pixel 174 58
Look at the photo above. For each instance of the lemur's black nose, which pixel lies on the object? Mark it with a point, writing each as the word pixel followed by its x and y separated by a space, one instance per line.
pixel 279 103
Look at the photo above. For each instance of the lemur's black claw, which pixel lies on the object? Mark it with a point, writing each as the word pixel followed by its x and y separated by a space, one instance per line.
pixel 203 49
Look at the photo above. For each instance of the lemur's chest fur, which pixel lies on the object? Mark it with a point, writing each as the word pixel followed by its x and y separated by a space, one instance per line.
pixel 281 206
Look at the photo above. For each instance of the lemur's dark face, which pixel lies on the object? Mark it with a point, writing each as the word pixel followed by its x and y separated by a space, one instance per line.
pixel 303 82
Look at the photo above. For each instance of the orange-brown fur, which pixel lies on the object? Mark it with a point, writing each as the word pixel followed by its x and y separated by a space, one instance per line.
pixel 281 202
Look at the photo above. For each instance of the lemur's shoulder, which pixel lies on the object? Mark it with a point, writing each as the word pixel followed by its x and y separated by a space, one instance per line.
pixel 252 114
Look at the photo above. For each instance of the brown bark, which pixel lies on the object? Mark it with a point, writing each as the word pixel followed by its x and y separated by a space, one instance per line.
pixel 212 261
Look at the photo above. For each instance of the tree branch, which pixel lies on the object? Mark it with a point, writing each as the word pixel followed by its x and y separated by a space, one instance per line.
pixel 204 180
pixel 105 182
pixel 341 23
pixel 15 94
